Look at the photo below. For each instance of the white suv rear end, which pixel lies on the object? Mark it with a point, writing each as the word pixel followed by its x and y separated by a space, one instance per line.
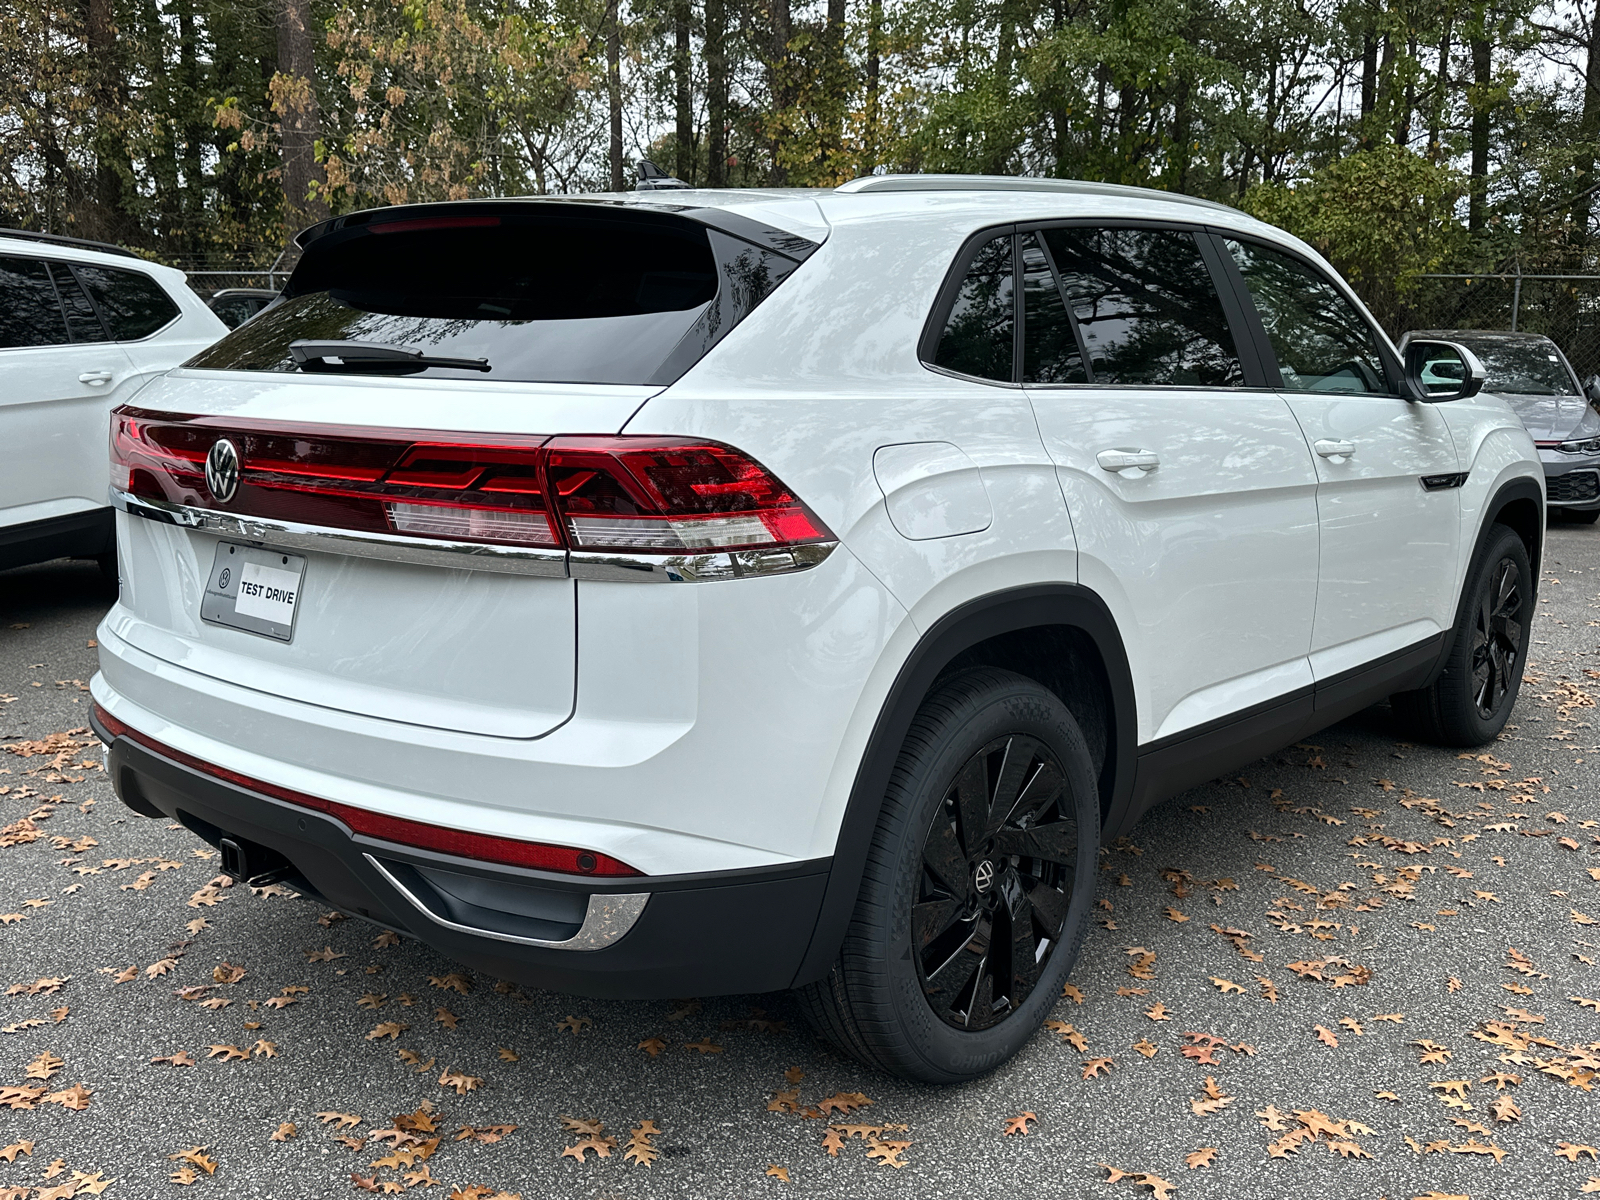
pixel 711 592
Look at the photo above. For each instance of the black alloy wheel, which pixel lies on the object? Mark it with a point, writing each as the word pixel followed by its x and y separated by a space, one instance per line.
pixel 998 866
pixel 976 890
pixel 1497 639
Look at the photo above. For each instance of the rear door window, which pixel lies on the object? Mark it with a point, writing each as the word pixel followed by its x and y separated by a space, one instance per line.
pixel 30 311
pixel 529 292
pixel 1146 306
pixel 133 304
pixel 1322 342
pixel 979 337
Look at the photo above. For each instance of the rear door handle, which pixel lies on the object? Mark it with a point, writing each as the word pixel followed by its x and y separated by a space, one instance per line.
pixel 1121 460
pixel 1329 448
pixel 93 378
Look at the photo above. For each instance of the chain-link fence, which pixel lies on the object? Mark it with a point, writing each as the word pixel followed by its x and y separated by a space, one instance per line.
pixel 1566 308
pixel 208 283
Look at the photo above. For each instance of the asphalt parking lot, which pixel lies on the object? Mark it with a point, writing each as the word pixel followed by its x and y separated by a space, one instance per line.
pixel 1360 968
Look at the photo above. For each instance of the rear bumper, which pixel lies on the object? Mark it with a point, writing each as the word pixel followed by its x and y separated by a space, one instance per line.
pixel 638 937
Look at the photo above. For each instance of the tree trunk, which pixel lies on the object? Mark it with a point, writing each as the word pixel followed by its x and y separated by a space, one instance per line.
pixel 113 168
pixel 300 121
pixel 1482 76
pixel 1585 137
pixel 716 52
pixel 1441 93
pixel 1369 74
pixel 1402 126
pixel 193 131
pixel 683 80
pixel 781 90
pixel 834 86
pixel 874 72
pixel 614 89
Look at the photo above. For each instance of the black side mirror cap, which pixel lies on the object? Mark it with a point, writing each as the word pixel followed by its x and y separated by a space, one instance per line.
pixel 1421 352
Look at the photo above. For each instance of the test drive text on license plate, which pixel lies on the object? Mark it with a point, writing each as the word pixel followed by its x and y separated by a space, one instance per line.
pixel 254 589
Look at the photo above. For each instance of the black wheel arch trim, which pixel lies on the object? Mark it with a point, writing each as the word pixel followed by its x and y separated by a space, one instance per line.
pixel 1035 605
pixel 1523 487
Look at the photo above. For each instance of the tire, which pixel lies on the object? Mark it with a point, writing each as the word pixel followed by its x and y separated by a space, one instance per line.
pixel 1470 701
pixel 920 1013
pixel 1584 516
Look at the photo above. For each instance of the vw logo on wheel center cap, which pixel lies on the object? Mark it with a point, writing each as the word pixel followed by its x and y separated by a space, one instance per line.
pixel 222 470
pixel 984 875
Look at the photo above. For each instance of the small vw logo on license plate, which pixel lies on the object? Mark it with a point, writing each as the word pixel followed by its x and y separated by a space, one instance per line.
pixel 222 470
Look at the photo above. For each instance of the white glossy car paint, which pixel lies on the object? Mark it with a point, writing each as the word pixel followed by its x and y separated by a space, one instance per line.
pixel 1386 542
pixel 55 400
pixel 720 725
pixel 1221 536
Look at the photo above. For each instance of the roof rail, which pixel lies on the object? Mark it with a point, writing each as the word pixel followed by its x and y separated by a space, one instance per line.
pixel 57 239
pixel 1016 183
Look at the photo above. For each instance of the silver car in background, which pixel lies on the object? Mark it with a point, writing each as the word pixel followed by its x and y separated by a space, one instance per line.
pixel 1531 374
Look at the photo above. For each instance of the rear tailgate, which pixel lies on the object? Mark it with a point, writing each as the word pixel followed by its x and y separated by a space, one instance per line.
pixel 477 651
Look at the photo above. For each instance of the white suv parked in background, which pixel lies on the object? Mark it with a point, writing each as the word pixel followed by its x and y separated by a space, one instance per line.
pixel 83 326
pixel 704 592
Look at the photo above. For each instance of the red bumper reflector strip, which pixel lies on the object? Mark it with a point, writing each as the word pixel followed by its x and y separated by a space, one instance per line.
pixel 483 847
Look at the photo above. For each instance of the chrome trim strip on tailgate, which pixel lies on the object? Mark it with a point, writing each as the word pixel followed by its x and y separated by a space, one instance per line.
pixel 476 556
pixel 428 552
pixel 610 915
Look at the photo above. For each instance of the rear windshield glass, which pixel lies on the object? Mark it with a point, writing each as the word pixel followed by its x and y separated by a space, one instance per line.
pixel 536 292
pixel 1522 368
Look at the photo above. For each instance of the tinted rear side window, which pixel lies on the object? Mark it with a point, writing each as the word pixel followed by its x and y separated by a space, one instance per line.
pixel 1050 351
pixel 81 318
pixel 980 334
pixel 30 313
pixel 1146 306
pixel 133 304
pixel 546 293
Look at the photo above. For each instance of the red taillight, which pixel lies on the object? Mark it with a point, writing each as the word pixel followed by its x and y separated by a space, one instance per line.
pixel 671 496
pixel 483 847
pixel 638 494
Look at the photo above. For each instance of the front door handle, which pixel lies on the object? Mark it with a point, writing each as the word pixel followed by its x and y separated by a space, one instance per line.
pixel 95 378
pixel 1121 460
pixel 1329 448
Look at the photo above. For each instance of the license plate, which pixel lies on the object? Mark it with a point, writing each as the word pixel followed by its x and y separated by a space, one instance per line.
pixel 254 589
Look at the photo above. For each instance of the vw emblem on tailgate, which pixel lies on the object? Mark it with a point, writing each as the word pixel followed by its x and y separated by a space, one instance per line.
pixel 222 470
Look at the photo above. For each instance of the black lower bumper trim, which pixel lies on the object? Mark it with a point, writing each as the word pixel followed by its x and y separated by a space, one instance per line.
pixel 713 934
pixel 77 535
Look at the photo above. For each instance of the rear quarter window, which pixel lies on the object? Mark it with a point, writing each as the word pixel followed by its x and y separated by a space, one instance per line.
pixel 133 304
pixel 536 292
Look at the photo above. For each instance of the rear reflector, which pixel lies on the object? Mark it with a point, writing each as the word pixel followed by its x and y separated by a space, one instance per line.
pixel 626 493
pixel 482 847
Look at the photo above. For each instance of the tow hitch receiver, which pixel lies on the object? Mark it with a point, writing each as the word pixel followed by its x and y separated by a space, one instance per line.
pixel 253 864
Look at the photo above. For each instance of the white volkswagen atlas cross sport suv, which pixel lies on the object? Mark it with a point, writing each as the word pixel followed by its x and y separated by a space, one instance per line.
pixel 691 592
pixel 83 326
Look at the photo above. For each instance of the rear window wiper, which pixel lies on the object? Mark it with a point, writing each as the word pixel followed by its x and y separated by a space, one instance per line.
pixel 373 356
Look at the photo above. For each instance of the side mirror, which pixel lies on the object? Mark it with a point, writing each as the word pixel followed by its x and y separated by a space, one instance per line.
pixel 1437 371
pixel 1591 389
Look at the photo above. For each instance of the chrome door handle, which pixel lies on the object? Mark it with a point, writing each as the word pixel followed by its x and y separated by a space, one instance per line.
pixel 93 378
pixel 1329 448
pixel 1121 460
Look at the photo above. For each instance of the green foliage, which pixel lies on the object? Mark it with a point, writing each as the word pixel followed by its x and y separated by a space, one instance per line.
pixel 1383 217
pixel 1362 125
